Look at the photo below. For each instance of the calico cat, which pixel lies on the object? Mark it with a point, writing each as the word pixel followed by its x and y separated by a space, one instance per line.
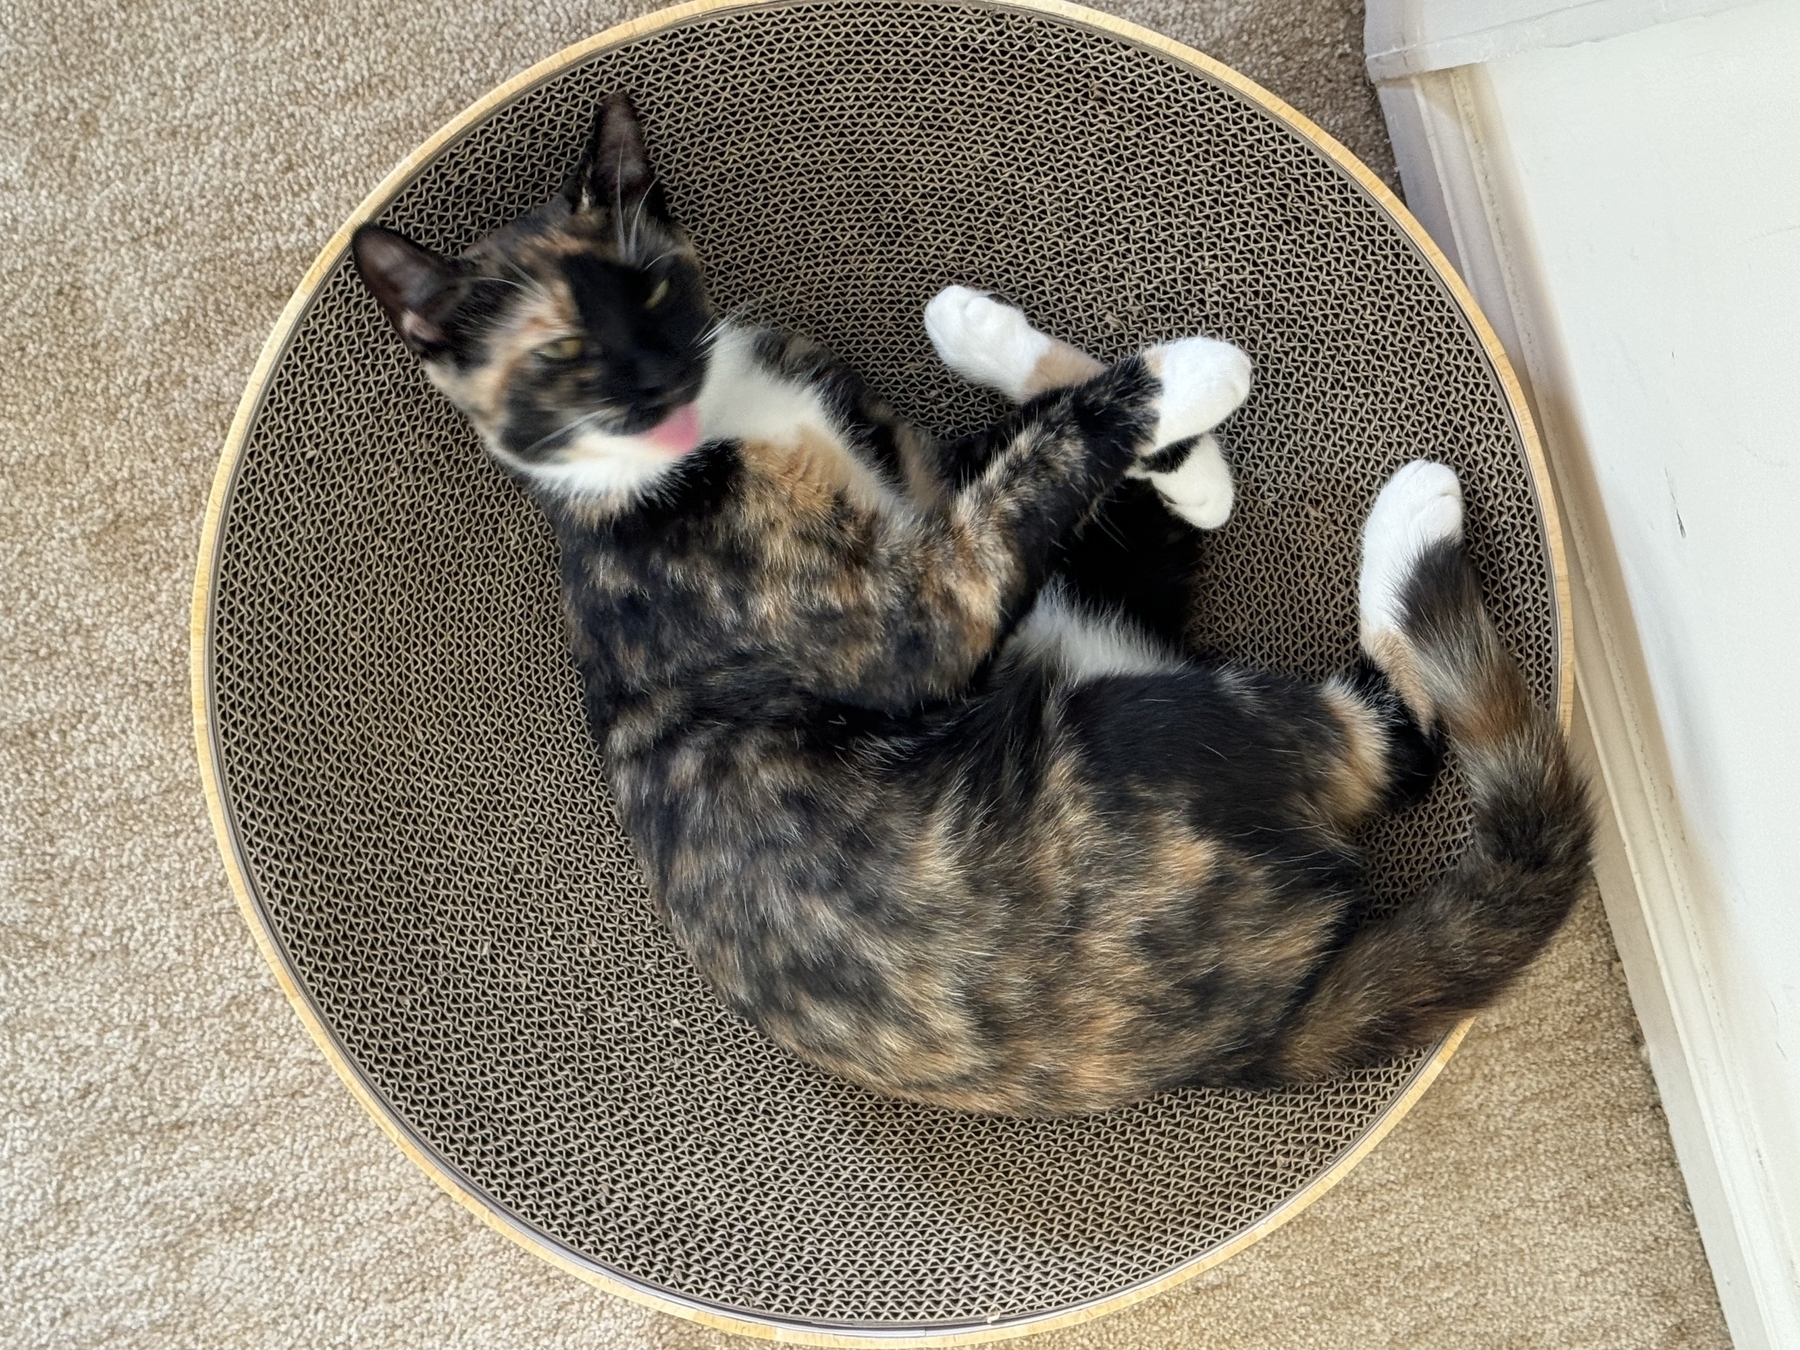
pixel 917 770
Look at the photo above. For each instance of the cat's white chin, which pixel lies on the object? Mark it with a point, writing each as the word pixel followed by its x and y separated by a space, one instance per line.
pixel 605 464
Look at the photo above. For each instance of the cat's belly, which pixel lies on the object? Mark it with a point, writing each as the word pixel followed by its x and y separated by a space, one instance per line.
pixel 1036 966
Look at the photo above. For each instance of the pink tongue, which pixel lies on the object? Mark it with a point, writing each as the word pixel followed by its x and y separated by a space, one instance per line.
pixel 677 433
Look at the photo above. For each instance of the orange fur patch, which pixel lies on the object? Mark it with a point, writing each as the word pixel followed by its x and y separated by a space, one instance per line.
pixel 1392 652
pixel 1061 367
pixel 1360 777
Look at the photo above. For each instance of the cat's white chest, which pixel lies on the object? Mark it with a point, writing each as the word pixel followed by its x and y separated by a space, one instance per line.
pixel 742 400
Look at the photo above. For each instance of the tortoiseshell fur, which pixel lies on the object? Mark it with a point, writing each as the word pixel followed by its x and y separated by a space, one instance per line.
pixel 917 772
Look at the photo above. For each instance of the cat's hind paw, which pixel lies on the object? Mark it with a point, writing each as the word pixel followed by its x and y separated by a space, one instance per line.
pixel 1203 382
pixel 1419 506
pixel 1199 489
pixel 984 341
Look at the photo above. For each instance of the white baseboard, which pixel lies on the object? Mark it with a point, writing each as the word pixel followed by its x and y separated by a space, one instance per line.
pixel 1403 38
pixel 1455 168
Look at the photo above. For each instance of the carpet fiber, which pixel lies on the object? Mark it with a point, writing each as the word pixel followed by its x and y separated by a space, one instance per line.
pixel 178 1166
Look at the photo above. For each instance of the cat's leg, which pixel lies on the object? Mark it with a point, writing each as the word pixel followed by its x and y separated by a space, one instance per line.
pixel 1418 509
pixel 994 345
pixel 1386 755
pixel 1359 744
pixel 1189 473
pixel 1134 553
pixel 1381 757
pixel 1193 478
pixel 1406 976
pixel 944 588
pixel 1263 759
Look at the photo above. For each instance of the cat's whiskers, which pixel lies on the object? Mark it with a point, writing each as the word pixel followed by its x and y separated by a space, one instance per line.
pixel 531 285
pixel 709 336
pixel 563 430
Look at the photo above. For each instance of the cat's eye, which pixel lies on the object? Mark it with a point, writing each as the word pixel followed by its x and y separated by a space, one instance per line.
pixel 563 349
pixel 658 295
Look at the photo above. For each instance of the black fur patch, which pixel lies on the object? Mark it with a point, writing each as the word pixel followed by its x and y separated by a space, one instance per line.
pixel 1134 555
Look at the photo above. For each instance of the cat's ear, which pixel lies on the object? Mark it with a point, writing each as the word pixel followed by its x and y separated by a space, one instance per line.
pixel 614 171
pixel 418 290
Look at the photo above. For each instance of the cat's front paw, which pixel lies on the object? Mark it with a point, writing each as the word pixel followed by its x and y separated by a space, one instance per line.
pixel 1203 382
pixel 984 341
pixel 1198 489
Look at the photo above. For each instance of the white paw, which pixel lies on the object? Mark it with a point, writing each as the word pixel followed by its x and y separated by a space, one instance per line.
pixel 1203 382
pixel 1419 506
pixel 1200 491
pixel 984 341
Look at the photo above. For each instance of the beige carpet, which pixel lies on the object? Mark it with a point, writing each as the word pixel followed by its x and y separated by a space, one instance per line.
pixel 178 1166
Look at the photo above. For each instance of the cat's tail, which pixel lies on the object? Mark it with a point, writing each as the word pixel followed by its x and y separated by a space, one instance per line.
pixel 1404 978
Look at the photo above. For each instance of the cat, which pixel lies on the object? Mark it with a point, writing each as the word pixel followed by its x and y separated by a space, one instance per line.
pixel 916 767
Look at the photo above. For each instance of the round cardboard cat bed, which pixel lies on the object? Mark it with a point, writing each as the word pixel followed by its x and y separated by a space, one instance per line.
pixel 390 728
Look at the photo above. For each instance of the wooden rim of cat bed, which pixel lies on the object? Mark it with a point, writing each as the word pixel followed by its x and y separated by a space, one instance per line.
pixel 404 1133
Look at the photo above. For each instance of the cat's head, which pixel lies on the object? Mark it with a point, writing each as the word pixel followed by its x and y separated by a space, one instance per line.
pixel 575 338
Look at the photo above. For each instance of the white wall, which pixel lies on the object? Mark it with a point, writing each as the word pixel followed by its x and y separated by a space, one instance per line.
pixel 1658 177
